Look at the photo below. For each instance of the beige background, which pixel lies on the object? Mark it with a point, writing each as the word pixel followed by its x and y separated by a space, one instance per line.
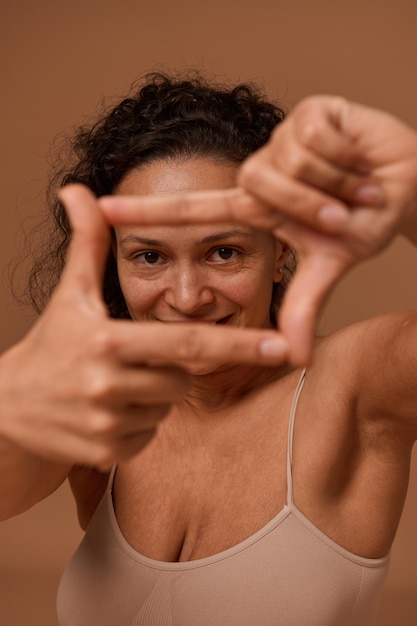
pixel 59 59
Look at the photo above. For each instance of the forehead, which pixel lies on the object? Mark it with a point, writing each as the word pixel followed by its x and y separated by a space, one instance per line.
pixel 184 236
pixel 178 175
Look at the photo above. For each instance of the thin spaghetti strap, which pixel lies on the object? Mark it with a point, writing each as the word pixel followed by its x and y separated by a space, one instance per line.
pixel 293 411
pixel 111 478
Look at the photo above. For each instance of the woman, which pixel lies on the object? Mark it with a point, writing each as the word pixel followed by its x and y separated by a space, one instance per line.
pixel 264 495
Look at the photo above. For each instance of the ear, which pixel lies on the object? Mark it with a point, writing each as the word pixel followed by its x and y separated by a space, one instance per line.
pixel 281 254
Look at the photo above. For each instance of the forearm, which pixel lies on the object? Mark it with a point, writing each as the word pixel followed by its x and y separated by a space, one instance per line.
pixel 25 479
pixel 387 394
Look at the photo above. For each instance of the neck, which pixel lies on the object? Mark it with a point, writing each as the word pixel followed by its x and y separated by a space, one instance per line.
pixel 220 408
pixel 227 387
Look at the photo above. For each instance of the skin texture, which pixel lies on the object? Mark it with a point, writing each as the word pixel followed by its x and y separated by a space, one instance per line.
pixel 336 182
pixel 353 493
pixel 186 442
pixel 209 273
pixel 353 483
pixel 113 381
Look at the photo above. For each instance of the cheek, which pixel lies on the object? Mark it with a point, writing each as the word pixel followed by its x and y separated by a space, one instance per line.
pixel 247 289
pixel 139 295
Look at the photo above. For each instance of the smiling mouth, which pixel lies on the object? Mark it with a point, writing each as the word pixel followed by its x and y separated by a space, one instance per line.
pixel 223 320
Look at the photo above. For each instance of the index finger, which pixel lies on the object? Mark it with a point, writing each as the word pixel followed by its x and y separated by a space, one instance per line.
pixel 147 342
pixel 197 207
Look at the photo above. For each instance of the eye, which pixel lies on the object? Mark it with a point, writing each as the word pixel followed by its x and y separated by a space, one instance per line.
pixel 149 258
pixel 225 253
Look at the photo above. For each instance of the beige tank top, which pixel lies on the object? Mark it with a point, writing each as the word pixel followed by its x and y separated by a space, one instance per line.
pixel 286 574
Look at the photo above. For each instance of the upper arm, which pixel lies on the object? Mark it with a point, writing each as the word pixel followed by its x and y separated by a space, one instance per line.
pixel 379 357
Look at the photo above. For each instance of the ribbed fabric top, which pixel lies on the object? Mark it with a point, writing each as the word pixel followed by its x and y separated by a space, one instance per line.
pixel 288 573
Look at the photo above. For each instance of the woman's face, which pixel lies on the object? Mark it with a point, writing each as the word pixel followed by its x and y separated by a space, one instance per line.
pixel 211 273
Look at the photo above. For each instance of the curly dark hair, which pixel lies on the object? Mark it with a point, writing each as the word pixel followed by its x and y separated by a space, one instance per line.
pixel 166 116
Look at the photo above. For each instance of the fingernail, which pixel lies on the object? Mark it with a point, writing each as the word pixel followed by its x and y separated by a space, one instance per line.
pixel 369 194
pixel 273 347
pixel 333 214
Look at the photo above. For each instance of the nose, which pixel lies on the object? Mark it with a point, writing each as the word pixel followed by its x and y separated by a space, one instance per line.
pixel 189 291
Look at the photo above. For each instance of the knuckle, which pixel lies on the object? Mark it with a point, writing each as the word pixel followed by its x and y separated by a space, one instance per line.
pixel 244 206
pixel 296 164
pixel 189 347
pixel 249 173
pixel 310 130
pixel 102 424
pixel 99 387
pixel 309 123
pixel 103 342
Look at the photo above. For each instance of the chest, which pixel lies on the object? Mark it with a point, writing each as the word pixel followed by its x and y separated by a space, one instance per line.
pixel 185 502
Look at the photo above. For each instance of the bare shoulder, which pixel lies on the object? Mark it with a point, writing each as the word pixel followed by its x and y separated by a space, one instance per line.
pixel 380 331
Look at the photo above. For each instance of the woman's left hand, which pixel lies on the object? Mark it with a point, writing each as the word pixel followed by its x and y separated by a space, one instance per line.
pixel 343 177
pixel 337 181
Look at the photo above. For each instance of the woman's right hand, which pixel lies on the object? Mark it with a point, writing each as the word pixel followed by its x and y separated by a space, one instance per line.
pixel 81 388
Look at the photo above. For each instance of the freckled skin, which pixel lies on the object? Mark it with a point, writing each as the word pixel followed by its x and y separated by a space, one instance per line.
pixel 195 273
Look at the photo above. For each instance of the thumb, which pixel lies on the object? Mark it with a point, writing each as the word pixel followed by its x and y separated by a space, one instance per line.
pixel 313 281
pixel 89 246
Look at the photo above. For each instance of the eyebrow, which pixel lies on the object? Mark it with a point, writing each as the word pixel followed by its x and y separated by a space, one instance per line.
pixel 209 239
pixel 141 240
